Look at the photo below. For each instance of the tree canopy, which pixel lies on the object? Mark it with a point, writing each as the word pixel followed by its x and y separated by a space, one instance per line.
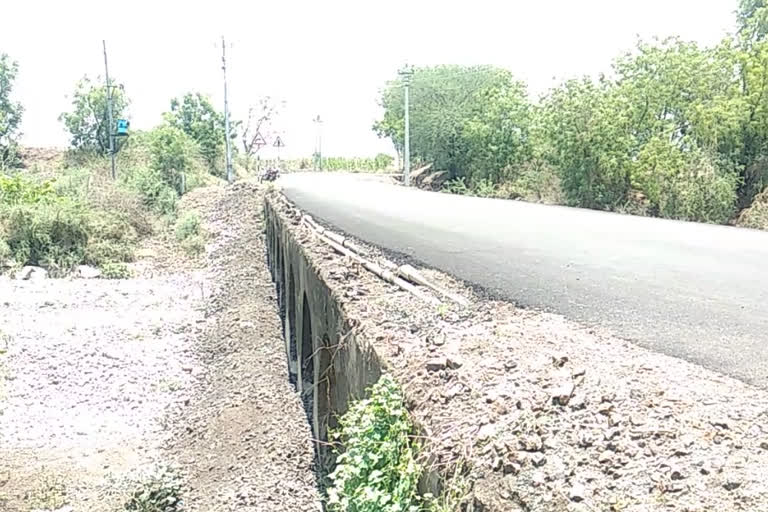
pixel 195 115
pixel 88 122
pixel 10 113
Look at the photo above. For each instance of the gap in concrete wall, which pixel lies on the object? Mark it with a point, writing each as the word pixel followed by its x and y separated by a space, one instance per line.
pixel 290 330
pixel 307 370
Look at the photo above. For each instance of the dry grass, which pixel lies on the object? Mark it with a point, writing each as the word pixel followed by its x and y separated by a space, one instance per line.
pixel 756 216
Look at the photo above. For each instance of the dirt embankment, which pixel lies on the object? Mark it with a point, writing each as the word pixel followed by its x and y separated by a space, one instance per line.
pixel 103 381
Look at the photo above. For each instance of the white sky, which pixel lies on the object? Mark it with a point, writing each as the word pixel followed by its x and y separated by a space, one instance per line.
pixel 326 57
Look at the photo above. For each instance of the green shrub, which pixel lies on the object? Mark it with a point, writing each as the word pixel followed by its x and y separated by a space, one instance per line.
pixel 53 235
pixel 377 471
pixel 113 239
pixel 86 186
pixel 115 270
pixel 484 188
pixel 188 225
pixel 157 492
pixel 190 233
pixel 457 186
pixel 154 192
pixel 172 156
pixel 17 190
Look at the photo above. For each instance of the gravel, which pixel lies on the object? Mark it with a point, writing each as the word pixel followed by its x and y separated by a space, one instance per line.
pixel 545 414
pixel 90 369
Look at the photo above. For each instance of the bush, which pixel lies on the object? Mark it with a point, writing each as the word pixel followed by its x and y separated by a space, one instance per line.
pixel 172 156
pixel 756 216
pixel 115 271
pixel 377 472
pixel 17 190
pixel 457 186
pixel 53 235
pixel 154 192
pixel 188 225
pixel 101 193
pixel 189 232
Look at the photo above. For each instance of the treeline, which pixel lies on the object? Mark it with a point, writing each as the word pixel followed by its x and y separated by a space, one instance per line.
pixel 380 163
pixel 70 211
pixel 675 130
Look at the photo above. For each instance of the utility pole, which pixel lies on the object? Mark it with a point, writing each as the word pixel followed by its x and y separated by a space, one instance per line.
pixel 230 175
pixel 319 152
pixel 110 128
pixel 406 73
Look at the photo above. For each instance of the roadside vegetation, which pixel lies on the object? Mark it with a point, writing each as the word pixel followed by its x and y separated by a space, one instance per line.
pixel 377 464
pixel 675 130
pixel 64 210
pixel 379 164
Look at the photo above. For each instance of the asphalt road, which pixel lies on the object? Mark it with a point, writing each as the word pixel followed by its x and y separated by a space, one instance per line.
pixel 694 291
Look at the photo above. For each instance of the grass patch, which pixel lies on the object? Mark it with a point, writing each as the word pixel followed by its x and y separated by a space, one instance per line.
pixel 376 467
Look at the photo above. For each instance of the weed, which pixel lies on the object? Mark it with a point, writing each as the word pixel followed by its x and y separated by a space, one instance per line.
pixel 455 493
pixel 457 186
pixel 159 491
pixel 377 471
pixel 115 270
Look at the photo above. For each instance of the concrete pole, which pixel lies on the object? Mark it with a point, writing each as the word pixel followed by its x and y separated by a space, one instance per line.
pixel 110 128
pixel 230 173
pixel 406 73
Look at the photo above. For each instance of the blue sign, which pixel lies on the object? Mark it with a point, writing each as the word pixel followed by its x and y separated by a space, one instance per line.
pixel 122 127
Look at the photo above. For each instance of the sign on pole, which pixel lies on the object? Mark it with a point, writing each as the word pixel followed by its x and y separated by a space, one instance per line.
pixel 278 144
pixel 259 140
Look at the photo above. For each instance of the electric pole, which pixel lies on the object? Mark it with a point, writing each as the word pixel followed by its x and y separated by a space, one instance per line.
pixel 319 152
pixel 406 73
pixel 110 127
pixel 230 176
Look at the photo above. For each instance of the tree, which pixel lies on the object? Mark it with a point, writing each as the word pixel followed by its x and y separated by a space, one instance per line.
pixel 584 130
pixel 172 155
pixel 88 122
pixel 257 124
pixel 10 113
pixel 195 115
pixel 752 20
pixel 459 117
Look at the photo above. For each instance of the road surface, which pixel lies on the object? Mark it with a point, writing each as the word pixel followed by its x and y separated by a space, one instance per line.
pixel 695 291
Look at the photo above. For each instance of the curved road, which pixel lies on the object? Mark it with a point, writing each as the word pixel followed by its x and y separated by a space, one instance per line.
pixel 694 291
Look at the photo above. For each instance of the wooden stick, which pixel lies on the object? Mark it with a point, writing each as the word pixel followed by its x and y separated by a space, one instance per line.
pixel 406 272
pixel 384 274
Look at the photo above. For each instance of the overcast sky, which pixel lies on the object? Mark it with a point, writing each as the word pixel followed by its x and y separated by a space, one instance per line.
pixel 323 57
